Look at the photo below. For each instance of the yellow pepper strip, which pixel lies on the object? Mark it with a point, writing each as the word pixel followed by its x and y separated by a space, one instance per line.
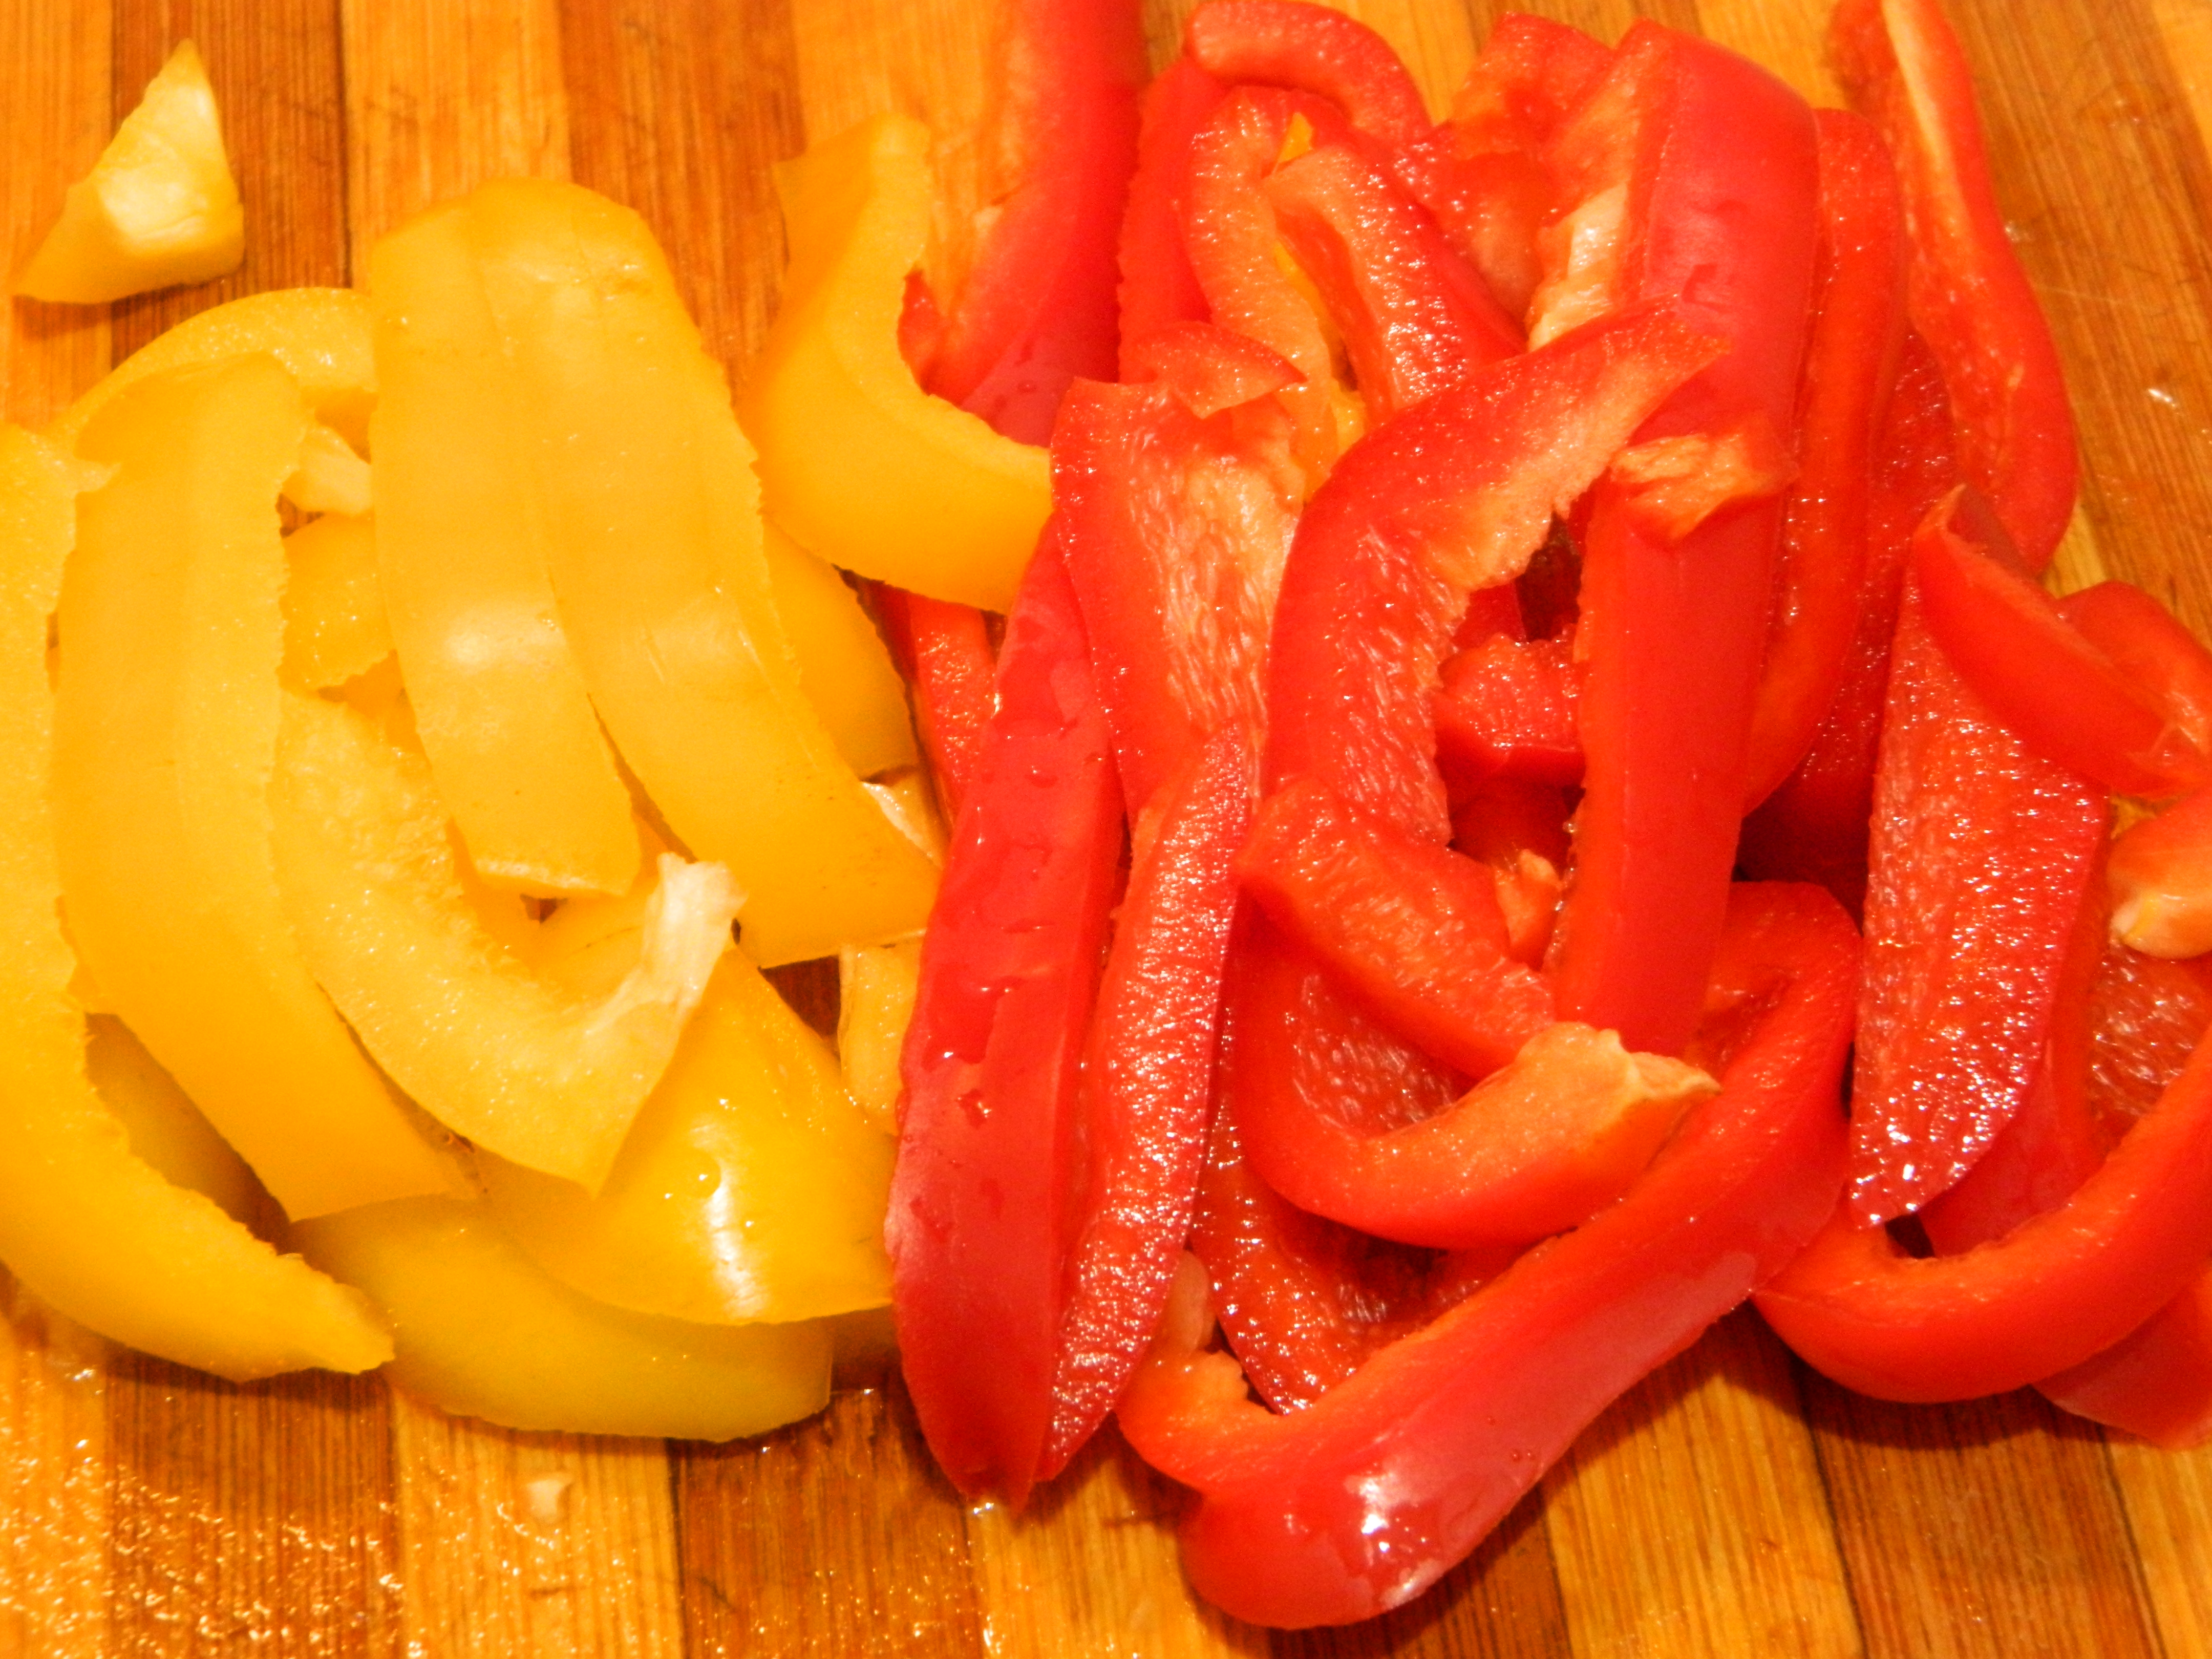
pixel 484 1333
pixel 320 334
pixel 844 668
pixel 654 534
pixel 875 1000
pixel 90 1227
pixel 164 1127
pixel 856 461
pixel 486 1046
pixel 334 625
pixel 499 699
pixel 751 1186
pixel 165 732
pixel 330 477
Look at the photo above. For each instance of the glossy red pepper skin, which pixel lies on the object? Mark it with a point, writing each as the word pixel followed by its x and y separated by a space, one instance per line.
pixel 1410 930
pixel 1453 495
pixel 2151 647
pixel 1981 853
pixel 1157 288
pixel 1365 1498
pixel 1721 167
pixel 2041 675
pixel 979 1216
pixel 1313 49
pixel 1813 828
pixel 1146 1092
pixel 1850 366
pixel 1039 306
pixel 1969 296
pixel 945 651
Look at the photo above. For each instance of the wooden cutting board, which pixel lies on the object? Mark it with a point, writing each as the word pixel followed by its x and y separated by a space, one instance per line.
pixel 1733 1504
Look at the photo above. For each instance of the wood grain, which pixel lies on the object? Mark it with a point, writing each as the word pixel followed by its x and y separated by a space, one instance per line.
pixel 1733 1503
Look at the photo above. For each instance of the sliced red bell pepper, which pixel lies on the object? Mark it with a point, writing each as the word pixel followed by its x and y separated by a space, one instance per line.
pixel 1481 174
pixel 1851 366
pixel 1717 169
pixel 1813 828
pixel 1176 526
pixel 1410 930
pixel 1968 295
pixel 2161 872
pixel 1157 288
pixel 2152 648
pixel 2038 673
pixel 2057 1289
pixel 1308 48
pixel 1365 1498
pixel 1453 495
pixel 1519 828
pixel 944 650
pixel 1039 306
pixel 979 1216
pixel 1981 852
pixel 1669 486
pixel 1506 708
pixel 1146 1092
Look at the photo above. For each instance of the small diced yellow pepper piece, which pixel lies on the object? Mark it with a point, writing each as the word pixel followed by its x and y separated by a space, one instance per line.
pixel 159 206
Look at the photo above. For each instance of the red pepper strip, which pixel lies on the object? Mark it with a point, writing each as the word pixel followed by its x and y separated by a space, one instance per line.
pixel 1157 288
pixel 2056 1290
pixel 1561 1128
pixel 1850 366
pixel 1518 828
pixel 978 1217
pixel 1721 170
pixel 2152 648
pixel 2067 701
pixel 1453 495
pixel 1039 306
pixel 1311 49
pixel 1506 708
pixel 944 650
pixel 1361 1501
pixel 1481 174
pixel 1414 316
pixel 1814 827
pixel 1147 1085
pixel 1410 930
pixel 1968 295
pixel 1176 527
pixel 1981 853
pixel 1208 369
pixel 2161 872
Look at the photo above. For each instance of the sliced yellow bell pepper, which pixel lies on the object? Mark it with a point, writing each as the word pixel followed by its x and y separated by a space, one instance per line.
pixel 319 334
pixel 164 1127
pixel 856 461
pixel 484 1333
pixel 90 1227
pixel 876 988
pixel 461 555
pixel 645 487
pixel 488 1047
pixel 165 732
pixel 751 1186
pixel 844 667
pixel 334 625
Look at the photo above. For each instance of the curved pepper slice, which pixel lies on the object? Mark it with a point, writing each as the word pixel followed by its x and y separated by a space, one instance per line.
pixel 1365 1498
pixel 845 668
pixel 380 903
pixel 1969 296
pixel 1311 49
pixel 85 1225
pixel 334 625
pixel 2161 874
pixel 1159 289
pixel 482 1331
pixel 943 505
pixel 165 732
pixel 1009 973
pixel 2152 648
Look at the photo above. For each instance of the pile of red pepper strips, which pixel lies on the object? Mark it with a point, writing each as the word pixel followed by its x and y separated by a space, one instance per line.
pixel 1342 947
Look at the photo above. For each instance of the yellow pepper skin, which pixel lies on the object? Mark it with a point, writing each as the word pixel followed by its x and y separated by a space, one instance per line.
pixel 499 698
pixel 491 1049
pixel 321 335
pixel 164 1127
pixel 334 625
pixel 856 461
pixel 165 735
pixel 751 1186
pixel 90 1227
pixel 844 667
pixel 481 1331
pixel 645 485
pixel 876 986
